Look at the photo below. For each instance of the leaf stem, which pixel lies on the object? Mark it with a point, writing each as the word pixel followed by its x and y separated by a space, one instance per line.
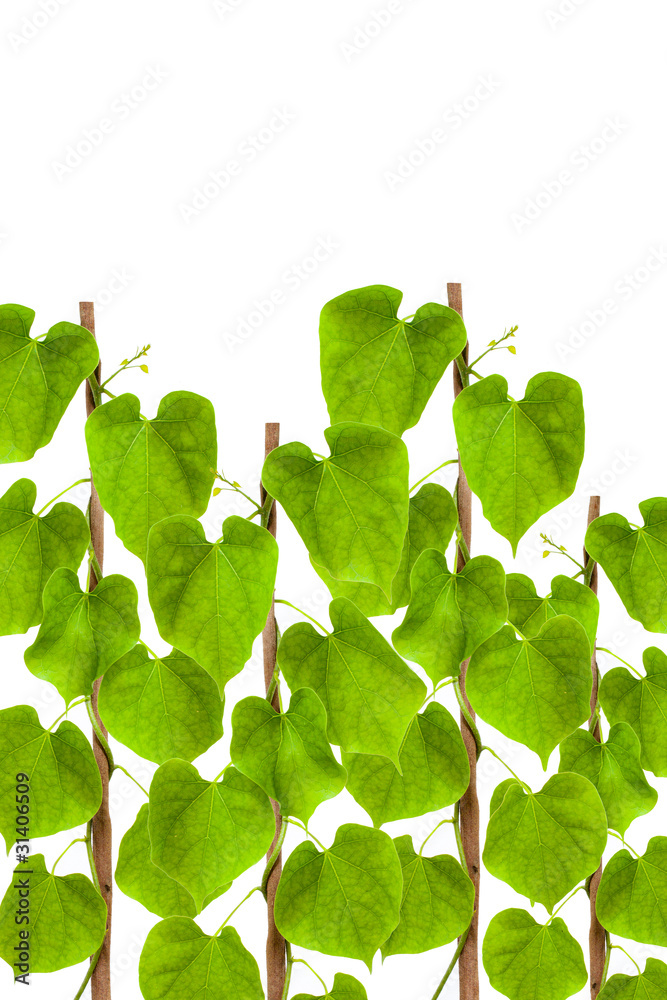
pixel 467 716
pixel 273 857
pixel 91 856
pixel 89 972
pixel 79 840
pixel 461 542
pixel 627 955
pixel 452 965
pixel 457 834
pixel 95 389
pixel 302 961
pixel 566 900
pixel 148 649
pixel 127 365
pixel 612 833
pixel 305 829
pixel 304 613
pixel 119 767
pixel 435 828
pixel 100 735
pixel 66 712
pixel 607 958
pixel 236 489
pixel 523 784
pixel 518 632
pixel 288 970
pixel 257 888
pixel 62 493
pixel 436 688
pixel 603 649
pixel 450 461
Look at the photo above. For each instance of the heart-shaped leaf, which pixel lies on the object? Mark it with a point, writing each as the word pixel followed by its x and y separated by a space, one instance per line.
pixel 65 786
pixel 434 770
pixel 528 612
pixel 613 767
pixel 139 878
pixel 344 988
pixel 377 368
pixel 31 548
pixel 38 379
pixel 521 457
pixel 81 633
pixel 535 691
pixel 180 962
pixel 632 894
pixel 205 833
pixel 530 961
pixel 499 793
pixel 211 599
pixel 431 522
pixel 146 470
pixel 450 614
pixel 369 693
pixel 543 843
pixel 651 984
pixel 641 702
pixel 287 753
pixel 67 918
pixel 339 504
pixel 437 905
pixel 161 708
pixel 344 900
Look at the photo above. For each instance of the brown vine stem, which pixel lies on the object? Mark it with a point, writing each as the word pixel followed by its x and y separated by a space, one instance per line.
pixel 100 980
pixel 469 807
pixel 276 955
pixel 597 944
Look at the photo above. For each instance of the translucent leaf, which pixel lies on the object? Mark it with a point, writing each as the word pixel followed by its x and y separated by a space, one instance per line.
pixel 437 904
pixel 651 984
pixel 525 960
pixel 528 612
pixel 161 708
pixel 82 634
pixel 31 548
pixel 344 988
pixel 635 560
pixel 344 900
pixel 499 793
pixel 287 754
pixel 535 691
pixel 369 693
pixel 205 833
pixel 613 767
pixel 521 457
pixel 632 894
pixel 544 842
pixel 641 702
pixel 38 379
pixel 338 503
pixel 67 917
pixel 431 522
pixel 146 470
pixel 65 786
pixel 211 599
pixel 450 614
pixel 180 962
pixel 434 765
pixel 377 368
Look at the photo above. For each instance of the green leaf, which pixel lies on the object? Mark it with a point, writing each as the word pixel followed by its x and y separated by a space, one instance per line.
pixel 431 522
pixel 161 708
pixel 377 368
pixel 344 900
pixel 65 786
pixel 31 548
pixel 287 754
pixel 351 509
pixel 651 984
pixel 437 905
pixel 632 894
pixel 67 917
pixel 205 833
pixel 139 878
pixel 38 379
pixel 525 960
pixel 521 457
pixel 535 691
pixel 544 842
pixel 146 470
pixel 211 599
pixel 635 560
pixel 434 765
pixel 450 614
pixel 369 693
pixel 499 793
pixel 528 612
pixel 180 962
pixel 344 988
pixel 81 633
pixel 613 767
pixel 641 702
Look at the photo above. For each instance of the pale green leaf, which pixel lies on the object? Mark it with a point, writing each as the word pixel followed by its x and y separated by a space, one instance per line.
pixel 528 612
pixel 521 457
pixel 651 984
pixel 632 895
pixel 161 708
pixel 641 702
pixel 344 988
pixel 499 793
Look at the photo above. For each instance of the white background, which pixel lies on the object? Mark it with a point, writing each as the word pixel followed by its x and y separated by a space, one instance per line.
pixel 520 93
